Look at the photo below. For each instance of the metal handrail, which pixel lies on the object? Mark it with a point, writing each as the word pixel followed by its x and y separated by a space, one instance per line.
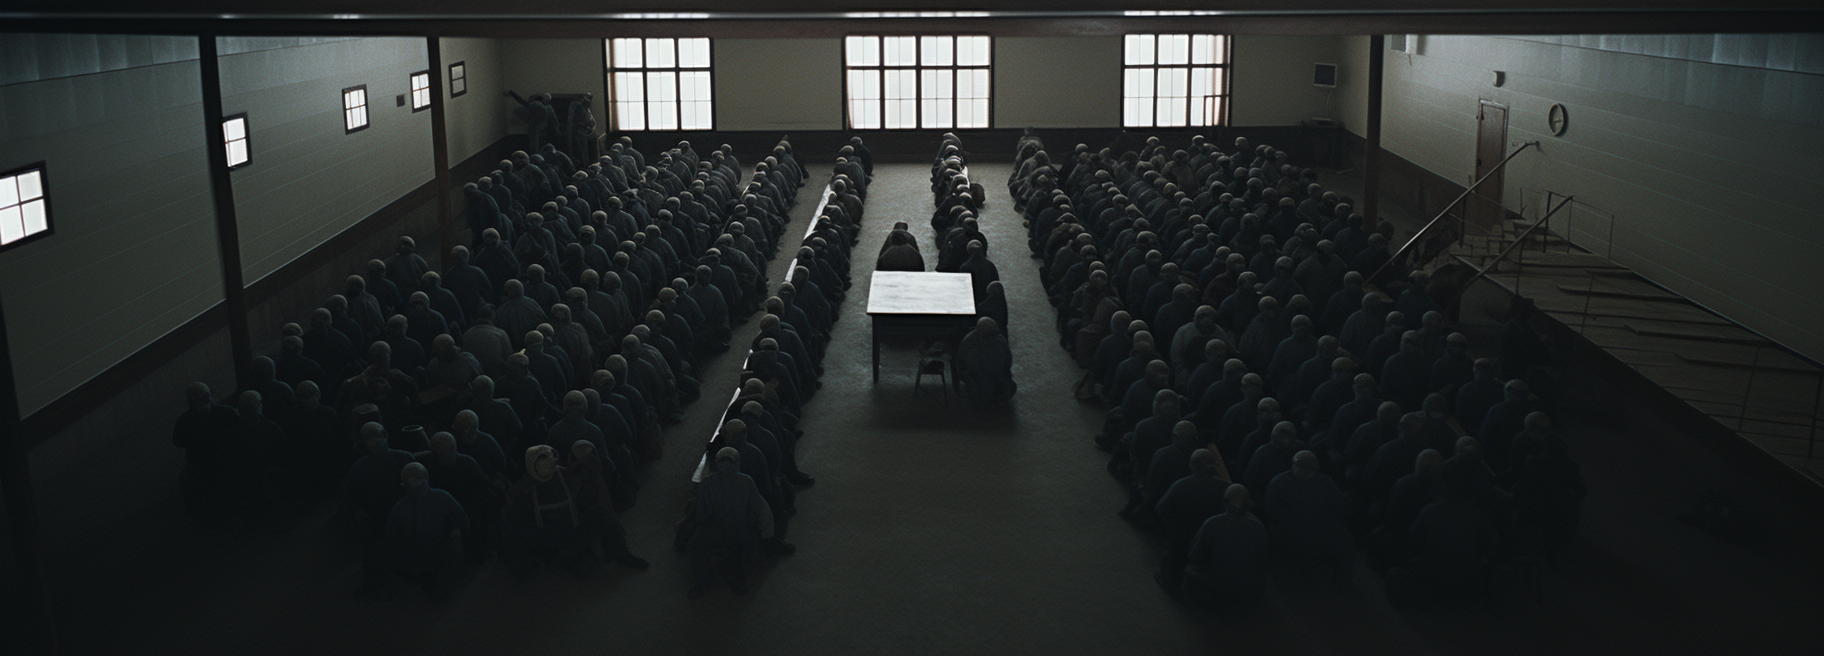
pixel 1446 211
pixel 1520 240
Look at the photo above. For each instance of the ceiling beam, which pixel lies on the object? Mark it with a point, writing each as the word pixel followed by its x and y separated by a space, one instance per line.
pixel 595 24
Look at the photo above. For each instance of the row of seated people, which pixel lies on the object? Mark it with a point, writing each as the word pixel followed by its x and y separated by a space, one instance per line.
pixel 984 357
pixel 746 489
pixel 597 370
pixel 1232 361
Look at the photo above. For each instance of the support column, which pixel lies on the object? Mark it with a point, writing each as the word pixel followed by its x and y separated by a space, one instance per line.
pixel 1371 165
pixel 227 229
pixel 22 514
pixel 440 147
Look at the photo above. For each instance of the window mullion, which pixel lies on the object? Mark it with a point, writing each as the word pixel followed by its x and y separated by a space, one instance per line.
pixel 677 85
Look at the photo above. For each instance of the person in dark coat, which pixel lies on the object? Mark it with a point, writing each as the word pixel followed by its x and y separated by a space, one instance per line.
pixel 993 305
pixel 201 432
pixel 1411 494
pixel 372 485
pixel 1183 509
pixel 424 531
pixel 730 518
pixel 1450 543
pixel 985 364
pixel 1305 508
pixel 981 270
pixel 1548 498
pixel 1226 564
pixel 1475 397
pixel 547 518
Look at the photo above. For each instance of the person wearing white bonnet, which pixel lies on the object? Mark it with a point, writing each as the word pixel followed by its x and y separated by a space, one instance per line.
pixel 546 521
pixel 424 531
pixel 729 518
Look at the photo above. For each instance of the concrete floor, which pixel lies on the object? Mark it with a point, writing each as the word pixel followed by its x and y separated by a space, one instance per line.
pixel 939 529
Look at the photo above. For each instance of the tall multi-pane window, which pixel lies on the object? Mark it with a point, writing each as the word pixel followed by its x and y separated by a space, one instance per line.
pixel 421 91
pixel 1175 80
pixel 354 109
pixel 903 82
pixel 23 212
pixel 459 79
pixel 660 84
pixel 234 140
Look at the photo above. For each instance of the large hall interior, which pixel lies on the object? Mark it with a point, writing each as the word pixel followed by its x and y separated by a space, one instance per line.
pixel 1393 326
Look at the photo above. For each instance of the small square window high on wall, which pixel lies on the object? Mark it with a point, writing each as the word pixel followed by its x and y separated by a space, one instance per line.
pixel 234 141
pixel 354 109
pixel 660 84
pixel 1175 80
pixel 905 82
pixel 25 214
pixel 459 79
pixel 421 91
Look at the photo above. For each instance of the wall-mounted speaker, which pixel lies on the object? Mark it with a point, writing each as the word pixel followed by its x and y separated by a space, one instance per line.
pixel 1324 75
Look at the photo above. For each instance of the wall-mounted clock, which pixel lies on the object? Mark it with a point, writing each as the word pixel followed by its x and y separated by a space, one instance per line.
pixel 1557 120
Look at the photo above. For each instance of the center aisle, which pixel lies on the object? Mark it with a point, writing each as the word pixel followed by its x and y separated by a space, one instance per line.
pixel 936 527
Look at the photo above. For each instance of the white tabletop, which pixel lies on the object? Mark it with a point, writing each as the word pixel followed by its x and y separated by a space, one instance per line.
pixel 921 292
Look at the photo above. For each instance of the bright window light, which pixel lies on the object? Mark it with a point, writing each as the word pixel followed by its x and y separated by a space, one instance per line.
pixel 459 79
pixel 1174 80
pixel 234 140
pixel 354 109
pixel 24 214
pixel 660 84
pixel 421 91
pixel 904 82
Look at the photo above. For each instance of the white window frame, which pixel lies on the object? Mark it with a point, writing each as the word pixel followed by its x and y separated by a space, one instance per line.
pixel 231 127
pixel 354 109
pixel 25 210
pixel 930 72
pixel 648 79
pixel 1152 61
pixel 459 78
pixel 421 90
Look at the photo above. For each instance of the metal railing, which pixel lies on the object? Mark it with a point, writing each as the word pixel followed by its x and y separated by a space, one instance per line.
pixel 1770 406
pixel 1463 227
pixel 1519 243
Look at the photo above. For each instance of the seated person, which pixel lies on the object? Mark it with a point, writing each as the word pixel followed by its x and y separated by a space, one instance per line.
pixel 730 517
pixel 1305 506
pixel 1226 565
pixel 1184 508
pixel 423 534
pixel 544 520
pixel 985 364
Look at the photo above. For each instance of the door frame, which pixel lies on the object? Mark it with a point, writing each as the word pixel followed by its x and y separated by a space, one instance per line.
pixel 1488 213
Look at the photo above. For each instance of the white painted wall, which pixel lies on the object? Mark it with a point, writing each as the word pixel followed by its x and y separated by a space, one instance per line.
pixel 1352 83
pixel 118 121
pixel 1056 82
pixel 477 119
pixel 309 180
pixel 1272 85
pixel 1046 82
pixel 778 84
pixel 1704 148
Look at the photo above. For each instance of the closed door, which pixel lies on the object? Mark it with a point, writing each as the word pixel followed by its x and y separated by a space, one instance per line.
pixel 1491 146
